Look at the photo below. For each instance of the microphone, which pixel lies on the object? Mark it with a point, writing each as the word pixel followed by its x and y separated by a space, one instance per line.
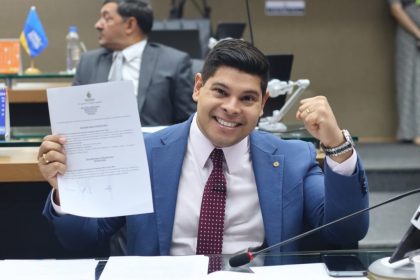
pixel 275 88
pixel 247 257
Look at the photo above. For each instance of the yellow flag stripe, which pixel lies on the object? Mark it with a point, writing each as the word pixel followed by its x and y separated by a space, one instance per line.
pixel 24 42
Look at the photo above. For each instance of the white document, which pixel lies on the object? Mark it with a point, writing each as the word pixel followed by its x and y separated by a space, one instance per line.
pixel 107 172
pixel 48 269
pixel 156 268
pixel 313 271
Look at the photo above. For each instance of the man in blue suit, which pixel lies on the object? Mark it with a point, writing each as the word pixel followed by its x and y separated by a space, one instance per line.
pixel 274 188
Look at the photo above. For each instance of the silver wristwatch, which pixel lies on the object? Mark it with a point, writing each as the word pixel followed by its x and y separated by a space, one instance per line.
pixel 343 148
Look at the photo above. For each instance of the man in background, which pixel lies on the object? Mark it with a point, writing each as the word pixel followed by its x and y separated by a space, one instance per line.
pixel 161 75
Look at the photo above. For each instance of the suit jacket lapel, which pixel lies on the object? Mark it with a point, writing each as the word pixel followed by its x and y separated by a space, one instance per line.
pixel 268 171
pixel 104 65
pixel 166 171
pixel 147 68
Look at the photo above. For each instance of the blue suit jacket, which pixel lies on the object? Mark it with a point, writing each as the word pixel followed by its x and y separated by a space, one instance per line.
pixel 293 195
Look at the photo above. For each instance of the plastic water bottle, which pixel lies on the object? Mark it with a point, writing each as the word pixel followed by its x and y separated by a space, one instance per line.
pixel 73 50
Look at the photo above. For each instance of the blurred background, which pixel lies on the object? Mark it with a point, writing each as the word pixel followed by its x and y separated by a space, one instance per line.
pixel 345 48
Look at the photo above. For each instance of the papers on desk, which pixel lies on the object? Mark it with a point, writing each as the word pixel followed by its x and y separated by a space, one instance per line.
pixel 107 172
pixel 195 268
pixel 156 268
pixel 313 271
pixel 48 269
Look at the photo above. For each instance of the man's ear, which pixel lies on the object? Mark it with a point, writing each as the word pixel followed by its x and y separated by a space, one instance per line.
pixel 264 100
pixel 131 25
pixel 198 84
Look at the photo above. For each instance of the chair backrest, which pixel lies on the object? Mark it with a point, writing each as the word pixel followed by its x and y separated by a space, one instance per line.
pixel 202 25
pixel 280 68
pixel 183 40
pixel 197 65
pixel 230 29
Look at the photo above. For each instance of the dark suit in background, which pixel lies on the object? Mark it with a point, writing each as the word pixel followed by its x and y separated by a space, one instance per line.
pixel 165 82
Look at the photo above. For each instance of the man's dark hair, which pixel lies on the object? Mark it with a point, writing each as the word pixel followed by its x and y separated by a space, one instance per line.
pixel 240 55
pixel 138 9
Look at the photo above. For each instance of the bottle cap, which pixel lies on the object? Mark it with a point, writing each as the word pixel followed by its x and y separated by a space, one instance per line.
pixel 73 28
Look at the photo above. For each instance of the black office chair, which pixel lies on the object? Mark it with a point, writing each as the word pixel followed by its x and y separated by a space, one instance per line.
pixel 230 30
pixel 197 66
pixel 194 40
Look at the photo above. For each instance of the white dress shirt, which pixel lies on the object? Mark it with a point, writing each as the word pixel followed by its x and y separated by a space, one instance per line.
pixel 131 65
pixel 243 211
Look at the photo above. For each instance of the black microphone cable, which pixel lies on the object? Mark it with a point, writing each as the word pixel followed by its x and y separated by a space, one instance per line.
pixel 247 257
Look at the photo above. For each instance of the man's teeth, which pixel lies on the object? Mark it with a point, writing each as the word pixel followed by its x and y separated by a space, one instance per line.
pixel 229 124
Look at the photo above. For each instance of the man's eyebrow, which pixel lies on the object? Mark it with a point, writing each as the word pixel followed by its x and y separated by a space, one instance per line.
pixel 220 84
pixel 105 13
pixel 253 92
pixel 224 86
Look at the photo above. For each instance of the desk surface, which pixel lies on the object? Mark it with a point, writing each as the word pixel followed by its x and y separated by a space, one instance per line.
pixel 181 268
pixel 32 92
pixel 367 257
pixel 18 159
pixel 19 164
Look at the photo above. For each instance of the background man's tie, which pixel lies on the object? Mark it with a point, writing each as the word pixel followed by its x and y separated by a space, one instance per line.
pixel 116 68
pixel 212 215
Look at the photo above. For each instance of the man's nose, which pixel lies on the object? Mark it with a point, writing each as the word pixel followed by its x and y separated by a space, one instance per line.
pixel 232 106
pixel 98 24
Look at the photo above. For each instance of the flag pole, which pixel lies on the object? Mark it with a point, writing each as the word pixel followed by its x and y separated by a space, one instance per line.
pixel 32 70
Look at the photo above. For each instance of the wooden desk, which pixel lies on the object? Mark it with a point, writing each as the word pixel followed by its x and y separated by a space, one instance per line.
pixel 32 92
pixel 19 164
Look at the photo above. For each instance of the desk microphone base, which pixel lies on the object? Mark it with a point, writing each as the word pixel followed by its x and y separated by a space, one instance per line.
pixel 272 127
pixel 381 269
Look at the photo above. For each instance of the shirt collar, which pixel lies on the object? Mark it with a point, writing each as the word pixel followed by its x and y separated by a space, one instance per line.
pixel 201 148
pixel 134 51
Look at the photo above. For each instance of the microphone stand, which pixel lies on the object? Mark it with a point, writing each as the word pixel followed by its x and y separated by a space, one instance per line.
pixel 276 88
pixel 205 13
pixel 244 258
pixel 249 22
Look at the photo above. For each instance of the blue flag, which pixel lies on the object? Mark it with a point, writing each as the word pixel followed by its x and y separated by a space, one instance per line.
pixel 33 37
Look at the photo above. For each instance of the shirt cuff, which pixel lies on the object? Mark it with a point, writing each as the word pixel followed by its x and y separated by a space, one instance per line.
pixel 345 168
pixel 57 208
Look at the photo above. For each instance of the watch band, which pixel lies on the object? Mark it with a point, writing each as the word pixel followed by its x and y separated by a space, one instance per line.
pixel 343 148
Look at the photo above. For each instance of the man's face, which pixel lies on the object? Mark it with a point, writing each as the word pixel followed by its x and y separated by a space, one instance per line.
pixel 228 105
pixel 111 27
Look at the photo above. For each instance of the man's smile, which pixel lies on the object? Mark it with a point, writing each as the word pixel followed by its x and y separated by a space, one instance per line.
pixel 226 123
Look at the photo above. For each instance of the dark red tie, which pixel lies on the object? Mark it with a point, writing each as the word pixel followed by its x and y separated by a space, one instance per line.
pixel 212 215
